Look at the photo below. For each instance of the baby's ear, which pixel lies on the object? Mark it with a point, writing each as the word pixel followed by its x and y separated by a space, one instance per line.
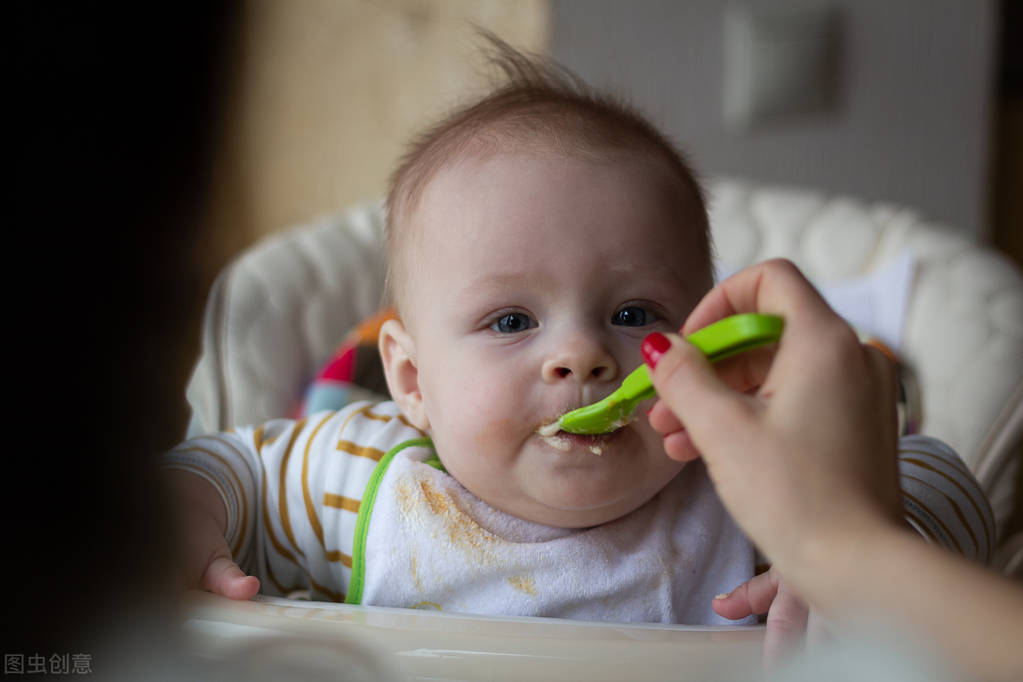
pixel 398 354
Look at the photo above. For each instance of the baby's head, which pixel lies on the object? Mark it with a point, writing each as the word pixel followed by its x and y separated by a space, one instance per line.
pixel 534 238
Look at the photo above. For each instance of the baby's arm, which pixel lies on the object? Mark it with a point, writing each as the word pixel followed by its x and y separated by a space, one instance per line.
pixel 788 615
pixel 206 560
pixel 243 499
pixel 212 483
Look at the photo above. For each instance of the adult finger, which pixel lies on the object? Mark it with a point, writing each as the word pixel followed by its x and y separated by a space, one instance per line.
pixel 744 373
pixel 818 632
pixel 786 626
pixel 689 387
pixel 774 286
pixel 676 441
pixel 748 370
pixel 662 419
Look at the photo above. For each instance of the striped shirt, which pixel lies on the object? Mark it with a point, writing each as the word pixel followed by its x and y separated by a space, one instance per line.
pixel 942 500
pixel 293 490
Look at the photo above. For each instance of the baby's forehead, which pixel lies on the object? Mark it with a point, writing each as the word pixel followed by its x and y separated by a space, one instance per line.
pixel 463 177
pixel 524 201
pixel 490 186
pixel 493 184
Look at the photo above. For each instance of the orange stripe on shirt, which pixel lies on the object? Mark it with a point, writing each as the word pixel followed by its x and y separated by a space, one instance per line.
pixel 270 529
pixel 334 596
pixel 360 450
pixel 955 464
pixel 310 510
pixel 973 502
pixel 338 555
pixel 341 502
pixel 368 413
pixel 386 417
pixel 282 496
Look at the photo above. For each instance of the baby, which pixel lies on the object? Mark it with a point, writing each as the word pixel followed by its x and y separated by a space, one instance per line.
pixel 534 239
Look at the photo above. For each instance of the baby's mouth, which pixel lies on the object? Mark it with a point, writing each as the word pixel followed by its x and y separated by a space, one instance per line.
pixel 552 435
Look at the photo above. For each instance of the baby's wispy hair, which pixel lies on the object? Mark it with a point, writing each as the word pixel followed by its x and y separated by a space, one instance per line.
pixel 535 107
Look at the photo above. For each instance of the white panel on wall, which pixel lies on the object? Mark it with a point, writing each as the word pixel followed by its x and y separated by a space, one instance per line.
pixel 780 62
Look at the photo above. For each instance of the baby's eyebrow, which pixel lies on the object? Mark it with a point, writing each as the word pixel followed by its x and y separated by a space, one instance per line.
pixel 647 272
pixel 487 287
pixel 500 281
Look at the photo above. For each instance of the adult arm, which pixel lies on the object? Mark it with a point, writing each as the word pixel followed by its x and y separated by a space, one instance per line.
pixel 800 444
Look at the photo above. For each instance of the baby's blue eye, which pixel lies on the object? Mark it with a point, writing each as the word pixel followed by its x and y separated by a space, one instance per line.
pixel 632 316
pixel 512 323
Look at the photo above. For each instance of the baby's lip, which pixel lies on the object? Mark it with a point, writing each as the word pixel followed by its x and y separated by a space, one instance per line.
pixel 572 442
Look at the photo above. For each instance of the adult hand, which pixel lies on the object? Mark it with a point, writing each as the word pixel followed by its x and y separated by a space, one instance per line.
pixel 800 441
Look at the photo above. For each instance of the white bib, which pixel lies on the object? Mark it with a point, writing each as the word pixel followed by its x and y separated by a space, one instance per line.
pixel 432 544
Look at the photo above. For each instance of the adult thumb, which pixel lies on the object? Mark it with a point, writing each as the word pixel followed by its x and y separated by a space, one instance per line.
pixel 687 383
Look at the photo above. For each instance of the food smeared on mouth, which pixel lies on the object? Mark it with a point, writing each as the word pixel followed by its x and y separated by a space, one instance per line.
pixel 552 435
pixel 557 442
pixel 548 430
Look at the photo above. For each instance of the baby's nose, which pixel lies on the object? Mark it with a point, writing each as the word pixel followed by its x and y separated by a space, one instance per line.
pixel 583 361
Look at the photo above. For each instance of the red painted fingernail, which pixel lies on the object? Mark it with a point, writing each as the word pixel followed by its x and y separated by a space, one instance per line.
pixel 654 346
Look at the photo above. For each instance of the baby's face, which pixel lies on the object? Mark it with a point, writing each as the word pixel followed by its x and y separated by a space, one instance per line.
pixel 534 282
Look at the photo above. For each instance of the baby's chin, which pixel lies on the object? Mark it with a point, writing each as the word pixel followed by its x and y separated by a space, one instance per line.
pixel 576 517
pixel 582 508
pixel 590 480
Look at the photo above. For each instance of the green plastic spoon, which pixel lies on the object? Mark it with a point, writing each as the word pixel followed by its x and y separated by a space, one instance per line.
pixel 720 340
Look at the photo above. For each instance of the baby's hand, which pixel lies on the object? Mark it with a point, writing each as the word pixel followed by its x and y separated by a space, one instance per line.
pixel 787 613
pixel 205 559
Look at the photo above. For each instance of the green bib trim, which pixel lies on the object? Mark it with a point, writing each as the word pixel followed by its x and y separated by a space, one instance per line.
pixel 369 496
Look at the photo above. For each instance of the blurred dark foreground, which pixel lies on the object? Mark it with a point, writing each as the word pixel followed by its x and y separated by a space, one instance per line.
pixel 113 107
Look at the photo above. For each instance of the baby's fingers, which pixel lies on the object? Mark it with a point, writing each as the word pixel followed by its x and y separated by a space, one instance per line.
pixel 754 596
pixel 224 577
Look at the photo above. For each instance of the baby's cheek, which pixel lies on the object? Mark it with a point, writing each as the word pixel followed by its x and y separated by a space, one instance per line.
pixel 493 422
pixel 470 413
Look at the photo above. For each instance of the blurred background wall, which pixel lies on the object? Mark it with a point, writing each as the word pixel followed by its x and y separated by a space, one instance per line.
pixel 906 115
pixel 326 93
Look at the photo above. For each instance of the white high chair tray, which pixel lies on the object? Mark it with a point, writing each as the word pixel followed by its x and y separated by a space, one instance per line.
pixel 270 636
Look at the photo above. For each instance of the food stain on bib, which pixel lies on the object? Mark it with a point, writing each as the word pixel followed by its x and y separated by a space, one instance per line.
pixel 419 499
pixel 522 583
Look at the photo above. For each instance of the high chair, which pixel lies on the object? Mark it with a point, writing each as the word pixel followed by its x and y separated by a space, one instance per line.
pixel 948 309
